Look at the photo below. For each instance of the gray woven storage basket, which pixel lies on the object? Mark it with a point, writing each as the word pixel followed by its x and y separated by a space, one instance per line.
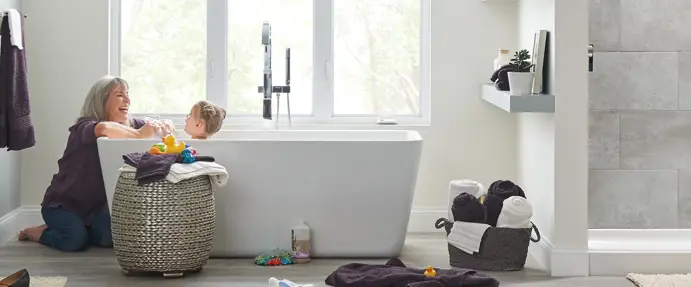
pixel 501 249
pixel 162 226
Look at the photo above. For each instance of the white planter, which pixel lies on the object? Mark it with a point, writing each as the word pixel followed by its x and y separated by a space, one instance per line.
pixel 521 83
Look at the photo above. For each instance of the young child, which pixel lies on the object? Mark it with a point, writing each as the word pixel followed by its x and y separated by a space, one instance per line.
pixel 204 120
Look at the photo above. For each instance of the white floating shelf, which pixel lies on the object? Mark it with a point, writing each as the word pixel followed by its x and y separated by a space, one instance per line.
pixel 536 103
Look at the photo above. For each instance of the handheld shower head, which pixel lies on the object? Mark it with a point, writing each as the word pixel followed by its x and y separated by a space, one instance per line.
pixel 266 34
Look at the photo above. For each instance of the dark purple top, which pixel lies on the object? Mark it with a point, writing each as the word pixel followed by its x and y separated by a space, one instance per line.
pixel 78 186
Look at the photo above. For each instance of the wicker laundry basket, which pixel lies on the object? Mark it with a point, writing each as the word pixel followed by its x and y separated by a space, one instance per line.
pixel 161 226
pixel 501 249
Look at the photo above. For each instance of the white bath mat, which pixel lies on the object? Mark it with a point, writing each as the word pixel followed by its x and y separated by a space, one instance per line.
pixel 660 280
pixel 48 281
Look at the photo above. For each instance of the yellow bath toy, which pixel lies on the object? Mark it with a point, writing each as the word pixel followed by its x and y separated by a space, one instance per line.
pixel 169 146
pixel 172 145
pixel 430 272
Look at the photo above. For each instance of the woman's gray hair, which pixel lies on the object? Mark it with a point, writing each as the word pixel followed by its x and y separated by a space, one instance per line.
pixel 95 101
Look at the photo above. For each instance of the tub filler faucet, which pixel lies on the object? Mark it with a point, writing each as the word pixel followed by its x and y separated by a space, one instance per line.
pixel 268 88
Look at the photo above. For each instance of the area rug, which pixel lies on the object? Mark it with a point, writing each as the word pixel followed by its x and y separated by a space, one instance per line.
pixel 659 280
pixel 48 281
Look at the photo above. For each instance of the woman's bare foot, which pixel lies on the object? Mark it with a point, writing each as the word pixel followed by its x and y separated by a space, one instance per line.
pixel 32 233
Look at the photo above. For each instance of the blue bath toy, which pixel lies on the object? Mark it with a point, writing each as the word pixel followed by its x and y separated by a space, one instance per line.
pixel 187 156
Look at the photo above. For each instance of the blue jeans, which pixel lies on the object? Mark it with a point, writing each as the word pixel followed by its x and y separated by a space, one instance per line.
pixel 67 232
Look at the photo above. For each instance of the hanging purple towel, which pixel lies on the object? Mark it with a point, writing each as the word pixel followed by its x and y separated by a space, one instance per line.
pixel 16 129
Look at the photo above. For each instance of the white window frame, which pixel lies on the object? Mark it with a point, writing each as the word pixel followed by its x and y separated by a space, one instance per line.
pixel 323 83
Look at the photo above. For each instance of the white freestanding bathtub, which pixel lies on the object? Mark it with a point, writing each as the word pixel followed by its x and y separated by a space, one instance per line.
pixel 353 188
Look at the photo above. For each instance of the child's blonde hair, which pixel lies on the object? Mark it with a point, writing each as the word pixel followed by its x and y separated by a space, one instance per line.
pixel 212 115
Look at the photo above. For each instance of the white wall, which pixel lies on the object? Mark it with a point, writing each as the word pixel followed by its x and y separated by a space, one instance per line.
pixel 468 138
pixel 571 138
pixel 9 161
pixel 536 131
pixel 553 148
pixel 67 50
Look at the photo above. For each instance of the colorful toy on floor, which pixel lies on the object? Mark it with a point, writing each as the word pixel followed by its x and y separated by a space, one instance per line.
pixel 273 282
pixel 430 272
pixel 274 257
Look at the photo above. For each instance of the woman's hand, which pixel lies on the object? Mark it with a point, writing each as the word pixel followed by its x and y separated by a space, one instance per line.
pixel 148 130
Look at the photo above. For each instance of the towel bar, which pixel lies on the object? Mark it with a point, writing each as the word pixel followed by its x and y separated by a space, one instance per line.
pixel 2 15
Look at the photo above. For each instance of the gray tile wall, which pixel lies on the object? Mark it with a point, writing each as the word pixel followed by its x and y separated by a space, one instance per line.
pixel 640 114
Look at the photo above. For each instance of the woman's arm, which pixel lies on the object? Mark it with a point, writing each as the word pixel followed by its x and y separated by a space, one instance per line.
pixel 119 131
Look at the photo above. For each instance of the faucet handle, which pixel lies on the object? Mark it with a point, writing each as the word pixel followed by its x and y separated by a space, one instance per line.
pixel 266 33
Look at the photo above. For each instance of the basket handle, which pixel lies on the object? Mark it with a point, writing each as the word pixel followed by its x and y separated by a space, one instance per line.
pixel 440 223
pixel 537 232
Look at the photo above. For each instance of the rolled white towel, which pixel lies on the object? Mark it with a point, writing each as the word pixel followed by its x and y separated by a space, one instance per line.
pixel 457 187
pixel 516 213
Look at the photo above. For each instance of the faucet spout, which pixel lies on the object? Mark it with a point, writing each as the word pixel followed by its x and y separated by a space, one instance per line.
pixel 267 87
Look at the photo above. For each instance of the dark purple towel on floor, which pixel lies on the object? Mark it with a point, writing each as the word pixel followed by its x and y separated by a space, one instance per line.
pixel 395 274
pixel 16 129
pixel 425 284
pixel 467 208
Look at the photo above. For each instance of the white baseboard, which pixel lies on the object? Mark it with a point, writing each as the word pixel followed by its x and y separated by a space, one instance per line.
pixel 621 251
pixel 541 251
pixel 569 263
pixel 421 220
pixel 18 219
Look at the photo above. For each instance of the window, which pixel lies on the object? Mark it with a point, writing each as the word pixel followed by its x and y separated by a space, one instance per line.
pixel 351 60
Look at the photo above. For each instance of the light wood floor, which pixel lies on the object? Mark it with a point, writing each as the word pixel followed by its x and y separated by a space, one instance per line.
pixel 98 267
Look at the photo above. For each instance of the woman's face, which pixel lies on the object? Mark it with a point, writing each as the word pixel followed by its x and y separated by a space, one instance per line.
pixel 118 104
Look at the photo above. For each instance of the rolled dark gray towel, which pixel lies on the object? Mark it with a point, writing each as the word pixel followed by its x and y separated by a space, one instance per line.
pixel 467 208
pixel 493 205
pixel 505 189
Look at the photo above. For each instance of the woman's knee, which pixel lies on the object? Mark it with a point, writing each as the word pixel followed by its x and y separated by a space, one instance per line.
pixel 76 239
pixel 64 238
pixel 65 231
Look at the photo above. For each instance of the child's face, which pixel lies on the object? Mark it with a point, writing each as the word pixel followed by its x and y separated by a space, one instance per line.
pixel 194 126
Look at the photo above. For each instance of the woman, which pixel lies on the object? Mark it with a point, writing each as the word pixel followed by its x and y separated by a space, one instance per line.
pixel 75 208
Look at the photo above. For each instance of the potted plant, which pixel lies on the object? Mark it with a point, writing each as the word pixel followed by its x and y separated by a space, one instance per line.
pixel 521 78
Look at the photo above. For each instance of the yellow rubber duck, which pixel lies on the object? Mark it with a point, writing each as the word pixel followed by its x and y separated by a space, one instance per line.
pixel 172 145
pixel 430 272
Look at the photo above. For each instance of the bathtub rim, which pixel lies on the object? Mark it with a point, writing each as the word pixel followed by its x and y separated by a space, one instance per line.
pixel 410 136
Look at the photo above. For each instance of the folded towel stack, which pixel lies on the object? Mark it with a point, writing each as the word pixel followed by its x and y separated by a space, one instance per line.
pixel 473 211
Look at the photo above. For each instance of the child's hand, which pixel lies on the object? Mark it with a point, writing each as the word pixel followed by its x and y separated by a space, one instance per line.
pixel 167 127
